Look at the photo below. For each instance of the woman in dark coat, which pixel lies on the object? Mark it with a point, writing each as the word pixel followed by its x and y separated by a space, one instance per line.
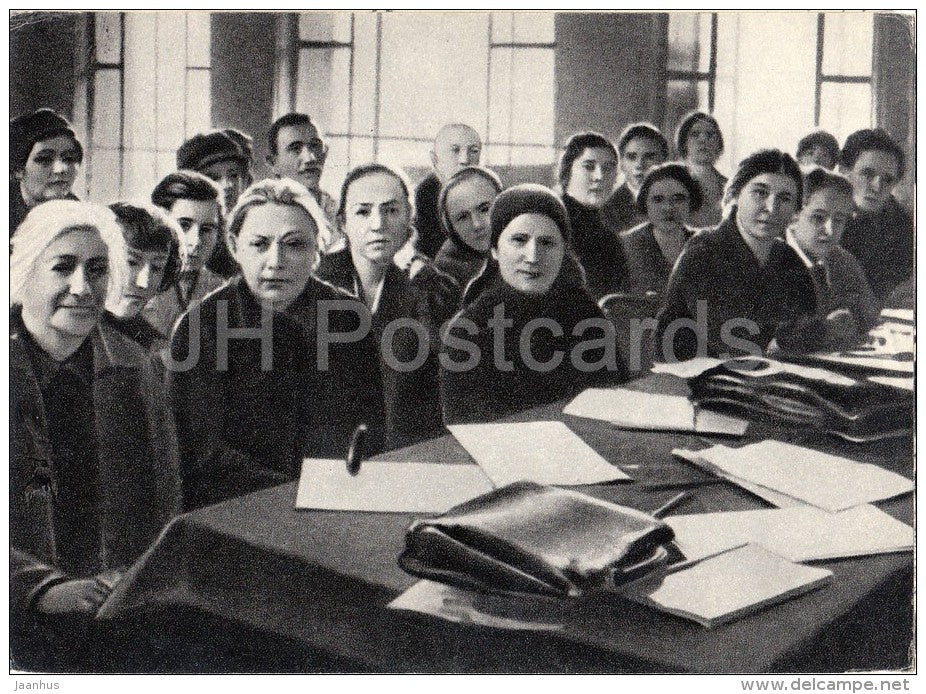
pixel 667 198
pixel 44 158
pixel 273 367
pixel 93 461
pixel 586 173
pixel 529 333
pixel 735 287
pixel 406 308
pixel 152 263
pixel 463 206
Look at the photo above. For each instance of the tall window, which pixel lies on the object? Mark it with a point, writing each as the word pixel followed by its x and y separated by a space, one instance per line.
pixel 692 65
pixel 147 86
pixel 844 65
pixel 382 84
pixel 812 69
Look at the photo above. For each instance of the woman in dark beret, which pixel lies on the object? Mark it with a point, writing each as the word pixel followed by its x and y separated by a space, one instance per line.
pixel 44 158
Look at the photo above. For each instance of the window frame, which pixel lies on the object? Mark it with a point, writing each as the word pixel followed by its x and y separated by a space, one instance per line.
pixel 823 78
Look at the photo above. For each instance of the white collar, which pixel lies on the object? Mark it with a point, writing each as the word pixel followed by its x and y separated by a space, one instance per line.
pixel 808 261
pixel 358 291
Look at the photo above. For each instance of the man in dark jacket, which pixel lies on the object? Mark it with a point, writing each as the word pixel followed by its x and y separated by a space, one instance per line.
pixel 456 145
pixel 880 235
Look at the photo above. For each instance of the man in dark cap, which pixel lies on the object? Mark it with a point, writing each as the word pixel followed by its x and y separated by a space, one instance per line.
pixel 225 157
pixel 44 157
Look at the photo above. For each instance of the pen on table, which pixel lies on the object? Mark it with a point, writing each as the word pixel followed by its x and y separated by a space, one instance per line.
pixel 669 505
pixel 355 449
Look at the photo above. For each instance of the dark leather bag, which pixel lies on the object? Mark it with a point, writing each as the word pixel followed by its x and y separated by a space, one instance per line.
pixel 530 538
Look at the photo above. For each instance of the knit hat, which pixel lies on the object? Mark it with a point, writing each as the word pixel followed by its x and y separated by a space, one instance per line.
pixel 206 149
pixel 29 128
pixel 244 142
pixel 525 199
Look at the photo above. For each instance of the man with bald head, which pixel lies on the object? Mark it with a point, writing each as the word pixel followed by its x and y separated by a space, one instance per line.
pixel 456 145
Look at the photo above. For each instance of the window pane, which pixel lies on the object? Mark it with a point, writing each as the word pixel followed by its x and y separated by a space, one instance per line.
pixel 500 72
pixel 360 151
pixel 533 156
pixel 533 27
pixel 140 174
pixel 324 26
pixel 108 37
pixel 170 71
pixel 323 80
pixel 684 96
pixel 434 71
pixel 847 43
pixel 689 41
pixel 495 155
pixel 532 96
pixel 502 27
pixel 404 153
pixel 363 106
pixel 198 102
pixel 336 165
pixel 198 39
pixel 107 109
pixel 104 172
pixel 140 80
pixel 165 163
pixel 845 108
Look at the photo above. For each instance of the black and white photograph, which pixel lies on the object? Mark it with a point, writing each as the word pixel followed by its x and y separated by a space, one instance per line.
pixel 462 342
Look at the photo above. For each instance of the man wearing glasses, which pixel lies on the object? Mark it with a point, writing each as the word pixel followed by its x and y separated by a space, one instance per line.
pixel 297 151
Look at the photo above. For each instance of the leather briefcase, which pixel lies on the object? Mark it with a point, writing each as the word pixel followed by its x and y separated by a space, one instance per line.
pixel 530 538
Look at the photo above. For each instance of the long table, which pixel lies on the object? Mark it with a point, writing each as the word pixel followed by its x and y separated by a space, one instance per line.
pixel 319 582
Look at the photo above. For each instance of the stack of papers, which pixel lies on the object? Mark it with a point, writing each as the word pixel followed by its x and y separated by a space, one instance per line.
pixel 801 533
pixel 787 475
pixel 729 585
pixel 632 409
pixel 542 452
pixel 388 487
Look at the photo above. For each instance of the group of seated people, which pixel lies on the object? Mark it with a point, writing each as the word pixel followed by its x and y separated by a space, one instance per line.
pixel 170 355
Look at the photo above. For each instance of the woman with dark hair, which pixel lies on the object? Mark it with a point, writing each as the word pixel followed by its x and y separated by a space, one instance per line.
pixel 734 287
pixel 586 173
pixel 667 197
pixel 699 142
pixel 463 206
pixel 258 376
pixel 93 458
pixel 195 204
pixel 554 339
pixel 406 309
pixel 152 263
pixel 44 158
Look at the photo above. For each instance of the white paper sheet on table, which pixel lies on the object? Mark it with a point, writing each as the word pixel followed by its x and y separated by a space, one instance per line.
pixel 632 409
pixel 687 369
pixel 802 533
pixel 819 479
pixel 388 487
pixel 770 495
pixel 528 613
pixel 728 585
pixel 542 452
